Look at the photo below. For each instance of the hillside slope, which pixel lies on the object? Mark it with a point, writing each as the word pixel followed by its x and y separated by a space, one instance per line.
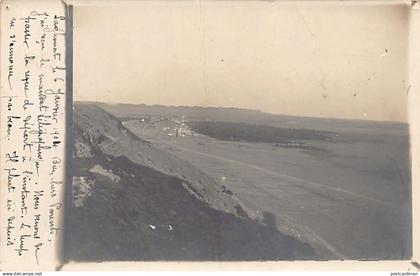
pixel 107 133
pixel 132 201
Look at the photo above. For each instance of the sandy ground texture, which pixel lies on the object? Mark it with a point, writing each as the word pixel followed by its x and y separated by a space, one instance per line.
pixel 348 197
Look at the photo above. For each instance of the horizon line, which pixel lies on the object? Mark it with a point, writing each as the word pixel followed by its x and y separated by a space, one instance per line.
pixel 248 109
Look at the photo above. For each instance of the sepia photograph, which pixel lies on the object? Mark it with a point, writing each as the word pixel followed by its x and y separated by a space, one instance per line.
pixel 240 131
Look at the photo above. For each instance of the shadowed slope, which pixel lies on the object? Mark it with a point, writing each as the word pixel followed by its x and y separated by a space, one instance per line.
pixel 126 210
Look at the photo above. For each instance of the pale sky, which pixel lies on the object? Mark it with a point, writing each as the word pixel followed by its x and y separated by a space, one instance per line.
pixel 322 60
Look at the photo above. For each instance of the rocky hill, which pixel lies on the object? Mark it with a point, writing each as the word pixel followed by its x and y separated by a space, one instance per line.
pixel 133 201
pixel 104 131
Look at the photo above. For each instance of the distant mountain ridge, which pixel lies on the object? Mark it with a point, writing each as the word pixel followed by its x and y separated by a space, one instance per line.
pixel 230 114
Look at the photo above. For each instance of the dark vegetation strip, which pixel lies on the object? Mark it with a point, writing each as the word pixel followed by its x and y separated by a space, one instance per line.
pixel 255 133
